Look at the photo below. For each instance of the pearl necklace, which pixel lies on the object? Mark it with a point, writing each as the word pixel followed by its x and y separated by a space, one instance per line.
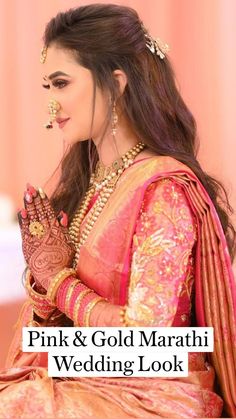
pixel 105 187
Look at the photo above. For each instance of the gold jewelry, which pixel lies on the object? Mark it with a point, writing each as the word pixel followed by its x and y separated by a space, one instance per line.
pixel 53 107
pixel 56 282
pixel 78 302
pixel 105 188
pixel 89 309
pixel 43 55
pixel 156 46
pixel 114 120
pixel 37 229
pixel 69 294
pixel 123 316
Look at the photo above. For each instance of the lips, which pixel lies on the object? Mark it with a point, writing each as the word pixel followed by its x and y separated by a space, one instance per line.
pixel 59 120
pixel 62 121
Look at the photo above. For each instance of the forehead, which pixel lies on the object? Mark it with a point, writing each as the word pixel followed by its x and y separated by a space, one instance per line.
pixel 58 59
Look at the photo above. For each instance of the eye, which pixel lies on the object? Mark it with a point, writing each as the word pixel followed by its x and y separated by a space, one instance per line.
pixel 59 83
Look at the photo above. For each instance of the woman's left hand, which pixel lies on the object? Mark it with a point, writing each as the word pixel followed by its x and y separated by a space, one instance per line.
pixel 46 243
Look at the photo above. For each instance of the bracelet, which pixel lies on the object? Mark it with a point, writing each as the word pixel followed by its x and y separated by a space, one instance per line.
pixel 77 290
pixel 89 309
pixel 82 308
pixel 39 302
pixel 77 304
pixel 62 291
pixel 123 317
pixel 69 295
pixel 56 282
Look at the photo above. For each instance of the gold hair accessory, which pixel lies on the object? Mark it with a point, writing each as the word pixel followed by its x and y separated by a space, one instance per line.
pixel 156 46
pixel 53 107
pixel 43 55
pixel 37 229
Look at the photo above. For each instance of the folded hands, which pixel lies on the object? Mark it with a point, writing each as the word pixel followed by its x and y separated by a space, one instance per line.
pixel 46 243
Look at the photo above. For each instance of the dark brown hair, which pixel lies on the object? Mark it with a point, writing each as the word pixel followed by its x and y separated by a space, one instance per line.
pixel 105 37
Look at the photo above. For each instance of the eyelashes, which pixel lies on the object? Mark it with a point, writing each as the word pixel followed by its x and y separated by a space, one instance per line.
pixel 58 84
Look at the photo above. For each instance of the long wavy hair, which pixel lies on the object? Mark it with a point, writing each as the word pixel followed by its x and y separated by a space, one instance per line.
pixel 105 37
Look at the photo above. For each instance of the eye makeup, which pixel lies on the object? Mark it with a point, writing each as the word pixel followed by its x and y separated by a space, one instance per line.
pixel 57 83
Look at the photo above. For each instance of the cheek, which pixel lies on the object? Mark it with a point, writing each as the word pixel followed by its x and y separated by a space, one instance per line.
pixel 101 111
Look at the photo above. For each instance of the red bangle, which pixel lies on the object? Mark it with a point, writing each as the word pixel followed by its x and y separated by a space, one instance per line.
pixel 77 290
pixel 62 291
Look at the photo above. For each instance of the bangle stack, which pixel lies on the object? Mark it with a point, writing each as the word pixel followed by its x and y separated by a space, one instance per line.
pixel 68 294
pixel 77 301
pixel 56 282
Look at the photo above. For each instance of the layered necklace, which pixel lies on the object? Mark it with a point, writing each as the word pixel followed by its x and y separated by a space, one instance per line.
pixel 103 181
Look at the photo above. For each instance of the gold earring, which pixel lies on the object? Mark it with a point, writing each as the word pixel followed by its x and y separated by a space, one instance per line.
pixel 114 120
pixel 53 107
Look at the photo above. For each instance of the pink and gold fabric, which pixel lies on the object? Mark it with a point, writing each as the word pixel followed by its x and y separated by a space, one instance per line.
pixel 160 249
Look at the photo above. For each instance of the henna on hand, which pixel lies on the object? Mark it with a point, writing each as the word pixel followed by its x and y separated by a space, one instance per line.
pixel 46 242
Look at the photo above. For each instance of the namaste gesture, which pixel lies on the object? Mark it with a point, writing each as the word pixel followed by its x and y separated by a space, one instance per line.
pixel 46 243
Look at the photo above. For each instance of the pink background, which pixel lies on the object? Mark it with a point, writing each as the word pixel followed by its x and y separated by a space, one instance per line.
pixel 201 35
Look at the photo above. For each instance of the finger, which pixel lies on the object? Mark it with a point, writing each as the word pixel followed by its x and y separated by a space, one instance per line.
pixel 51 216
pixel 23 221
pixel 38 211
pixel 29 205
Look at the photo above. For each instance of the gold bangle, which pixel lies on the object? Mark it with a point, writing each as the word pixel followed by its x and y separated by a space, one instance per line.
pixel 89 309
pixel 69 294
pixel 30 289
pixel 56 282
pixel 78 302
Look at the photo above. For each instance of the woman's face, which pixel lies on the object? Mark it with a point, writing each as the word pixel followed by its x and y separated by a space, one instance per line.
pixel 74 91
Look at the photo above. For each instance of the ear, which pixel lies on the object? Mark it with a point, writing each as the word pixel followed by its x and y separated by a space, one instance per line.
pixel 121 78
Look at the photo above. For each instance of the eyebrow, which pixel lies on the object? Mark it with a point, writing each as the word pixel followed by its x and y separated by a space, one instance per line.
pixel 56 74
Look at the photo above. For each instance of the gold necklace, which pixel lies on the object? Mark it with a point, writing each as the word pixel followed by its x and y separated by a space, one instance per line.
pixel 106 186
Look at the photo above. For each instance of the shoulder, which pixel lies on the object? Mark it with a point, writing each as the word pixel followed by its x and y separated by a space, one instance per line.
pixel 168 164
pixel 166 202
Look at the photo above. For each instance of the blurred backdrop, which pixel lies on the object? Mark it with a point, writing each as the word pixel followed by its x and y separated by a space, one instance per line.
pixel 201 35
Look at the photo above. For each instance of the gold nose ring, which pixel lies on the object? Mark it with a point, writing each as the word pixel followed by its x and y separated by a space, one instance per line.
pixel 53 107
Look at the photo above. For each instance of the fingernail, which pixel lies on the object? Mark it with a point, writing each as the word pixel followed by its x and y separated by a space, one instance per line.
pixel 23 213
pixel 32 190
pixel 42 193
pixel 64 219
pixel 28 197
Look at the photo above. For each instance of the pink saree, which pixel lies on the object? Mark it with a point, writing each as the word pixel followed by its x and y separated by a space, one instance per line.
pixel 114 269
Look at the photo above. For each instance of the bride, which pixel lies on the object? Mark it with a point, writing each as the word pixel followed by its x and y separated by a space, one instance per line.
pixel 133 234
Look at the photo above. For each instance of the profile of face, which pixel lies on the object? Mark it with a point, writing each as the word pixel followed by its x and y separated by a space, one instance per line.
pixel 72 86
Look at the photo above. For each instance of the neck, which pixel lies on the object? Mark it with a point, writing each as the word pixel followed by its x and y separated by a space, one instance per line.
pixel 110 150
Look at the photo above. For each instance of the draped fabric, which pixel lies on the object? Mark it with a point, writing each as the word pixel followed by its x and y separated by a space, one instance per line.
pixel 167 248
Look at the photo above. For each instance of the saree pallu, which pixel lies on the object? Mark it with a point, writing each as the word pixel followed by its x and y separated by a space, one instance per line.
pixel 27 391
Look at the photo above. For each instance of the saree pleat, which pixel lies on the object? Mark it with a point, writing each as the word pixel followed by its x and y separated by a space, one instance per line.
pixel 218 310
